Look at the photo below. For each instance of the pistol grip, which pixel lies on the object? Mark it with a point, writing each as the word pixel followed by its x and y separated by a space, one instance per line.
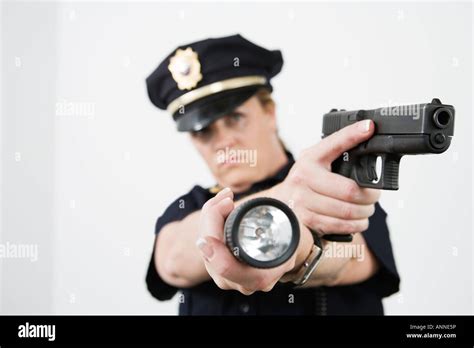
pixel 362 170
pixel 344 165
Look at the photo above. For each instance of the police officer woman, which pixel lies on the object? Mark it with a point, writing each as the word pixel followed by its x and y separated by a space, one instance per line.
pixel 219 91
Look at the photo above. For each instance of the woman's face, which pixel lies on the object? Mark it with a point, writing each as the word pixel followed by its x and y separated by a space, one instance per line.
pixel 238 147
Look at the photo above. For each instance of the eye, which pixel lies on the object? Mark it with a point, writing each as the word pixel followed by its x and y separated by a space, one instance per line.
pixel 234 119
pixel 203 135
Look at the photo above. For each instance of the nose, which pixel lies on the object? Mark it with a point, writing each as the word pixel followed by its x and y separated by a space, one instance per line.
pixel 224 137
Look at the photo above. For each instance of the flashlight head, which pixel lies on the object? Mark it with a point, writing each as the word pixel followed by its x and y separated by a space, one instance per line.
pixel 262 232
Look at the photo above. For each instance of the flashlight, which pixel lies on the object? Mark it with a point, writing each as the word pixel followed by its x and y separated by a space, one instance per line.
pixel 262 232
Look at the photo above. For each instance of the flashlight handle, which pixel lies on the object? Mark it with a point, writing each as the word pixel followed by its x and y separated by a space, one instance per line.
pixel 345 238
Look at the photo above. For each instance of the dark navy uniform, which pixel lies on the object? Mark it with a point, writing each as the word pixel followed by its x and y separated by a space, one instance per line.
pixel 197 84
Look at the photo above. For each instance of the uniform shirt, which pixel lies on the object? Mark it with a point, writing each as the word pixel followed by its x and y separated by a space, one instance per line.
pixel 364 298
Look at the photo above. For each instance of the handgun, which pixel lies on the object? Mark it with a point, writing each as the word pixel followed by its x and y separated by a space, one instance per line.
pixel 399 130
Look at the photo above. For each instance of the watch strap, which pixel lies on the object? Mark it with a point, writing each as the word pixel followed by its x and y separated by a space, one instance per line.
pixel 309 264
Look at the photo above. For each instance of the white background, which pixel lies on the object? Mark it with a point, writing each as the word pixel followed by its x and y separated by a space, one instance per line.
pixel 88 188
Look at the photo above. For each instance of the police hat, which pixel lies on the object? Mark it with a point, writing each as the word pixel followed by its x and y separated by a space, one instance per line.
pixel 202 81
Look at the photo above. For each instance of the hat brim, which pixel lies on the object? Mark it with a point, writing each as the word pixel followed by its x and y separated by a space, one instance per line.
pixel 200 114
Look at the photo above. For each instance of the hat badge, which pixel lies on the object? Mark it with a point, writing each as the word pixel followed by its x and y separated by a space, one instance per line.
pixel 185 68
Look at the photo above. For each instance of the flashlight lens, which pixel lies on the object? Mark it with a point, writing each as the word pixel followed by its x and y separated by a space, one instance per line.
pixel 265 233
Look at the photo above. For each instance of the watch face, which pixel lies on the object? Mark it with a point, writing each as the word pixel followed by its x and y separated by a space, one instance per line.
pixel 262 232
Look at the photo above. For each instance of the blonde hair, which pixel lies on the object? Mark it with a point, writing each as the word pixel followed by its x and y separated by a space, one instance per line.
pixel 264 96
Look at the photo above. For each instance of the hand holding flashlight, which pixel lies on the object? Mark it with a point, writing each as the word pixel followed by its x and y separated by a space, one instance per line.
pixel 220 261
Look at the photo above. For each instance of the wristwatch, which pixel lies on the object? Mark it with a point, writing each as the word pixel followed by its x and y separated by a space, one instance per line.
pixel 309 265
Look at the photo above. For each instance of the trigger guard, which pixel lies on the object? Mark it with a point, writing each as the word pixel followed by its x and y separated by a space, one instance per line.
pixel 366 170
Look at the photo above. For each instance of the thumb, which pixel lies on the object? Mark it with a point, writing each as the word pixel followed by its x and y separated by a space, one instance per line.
pixel 213 217
pixel 219 259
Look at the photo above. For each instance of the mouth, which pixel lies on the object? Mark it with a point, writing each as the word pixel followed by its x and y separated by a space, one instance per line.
pixel 231 162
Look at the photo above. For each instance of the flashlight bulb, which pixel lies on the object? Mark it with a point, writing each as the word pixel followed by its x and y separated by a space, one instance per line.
pixel 263 232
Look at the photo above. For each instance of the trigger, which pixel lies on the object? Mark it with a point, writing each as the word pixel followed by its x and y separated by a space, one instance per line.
pixel 371 171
